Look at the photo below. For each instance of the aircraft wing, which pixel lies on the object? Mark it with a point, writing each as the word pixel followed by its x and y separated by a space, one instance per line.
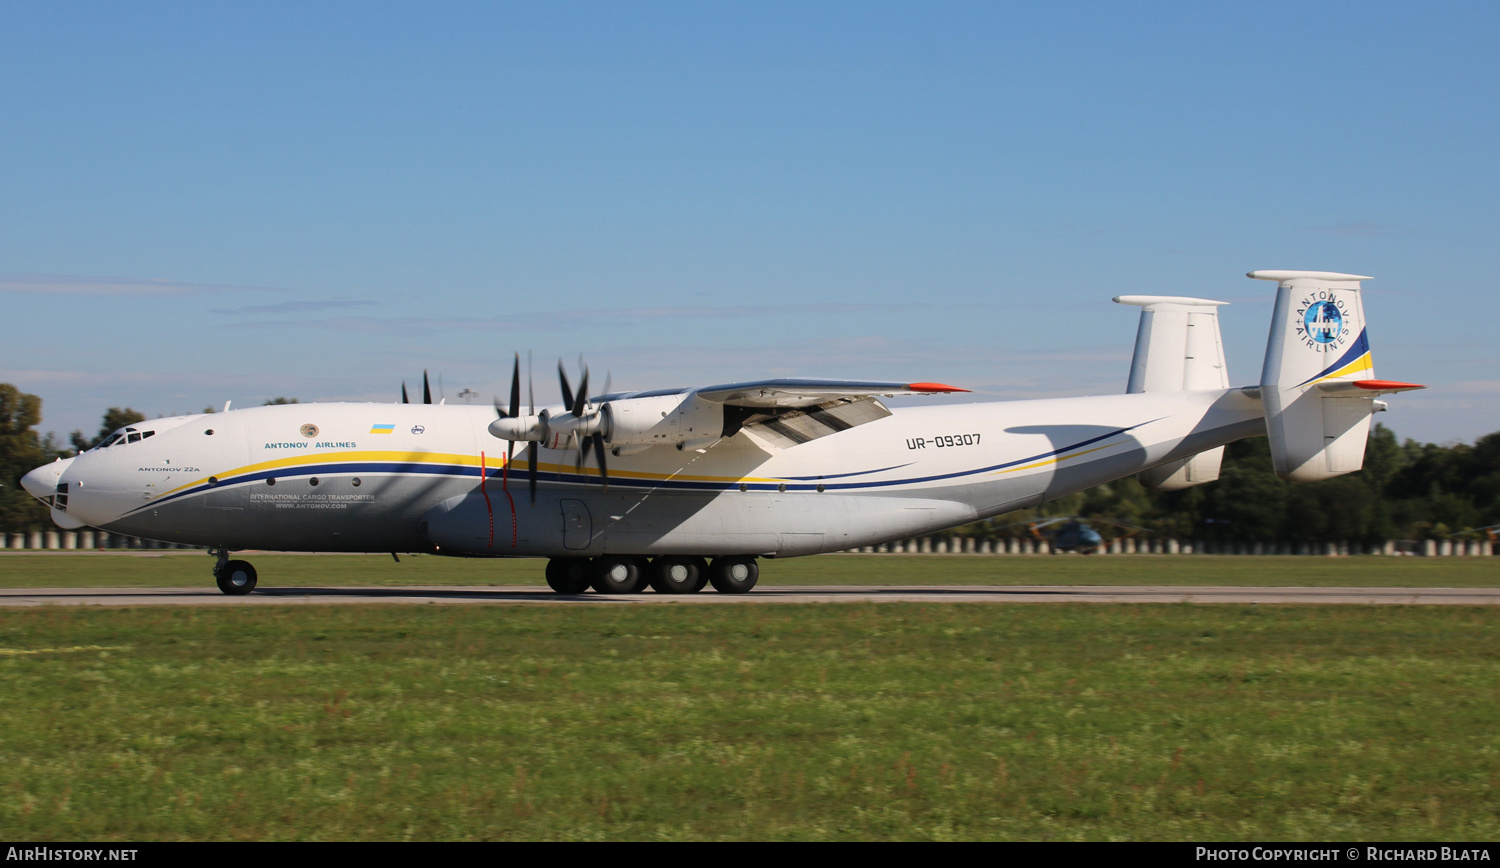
pixel 773 394
pixel 792 411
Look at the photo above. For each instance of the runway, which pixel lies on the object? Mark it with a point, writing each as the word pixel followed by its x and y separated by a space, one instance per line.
pixel 540 595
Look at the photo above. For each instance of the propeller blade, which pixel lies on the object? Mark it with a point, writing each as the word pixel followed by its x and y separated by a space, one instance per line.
pixel 599 453
pixel 583 394
pixel 515 388
pixel 530 388
pixel 531 452
pixel 500 411
pixel 562 378
pixel 426 390
pixel 404 399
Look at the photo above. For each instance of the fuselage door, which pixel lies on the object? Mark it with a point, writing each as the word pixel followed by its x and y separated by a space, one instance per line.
pixel 578 527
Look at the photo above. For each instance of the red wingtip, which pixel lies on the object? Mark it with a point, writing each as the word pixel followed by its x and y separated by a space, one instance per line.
pixel 933 387
pixel 1385 385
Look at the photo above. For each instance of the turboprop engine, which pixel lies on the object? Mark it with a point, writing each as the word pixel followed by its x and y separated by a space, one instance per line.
pixel 683 420
pixel 627 424
pixel 622 424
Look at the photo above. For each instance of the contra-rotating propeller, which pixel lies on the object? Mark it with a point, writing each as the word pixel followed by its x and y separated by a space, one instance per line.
pixel 586 422
pixel 426 391
pixel 577 426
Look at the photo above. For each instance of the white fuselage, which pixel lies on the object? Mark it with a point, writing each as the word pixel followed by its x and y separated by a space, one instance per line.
pixel 415 477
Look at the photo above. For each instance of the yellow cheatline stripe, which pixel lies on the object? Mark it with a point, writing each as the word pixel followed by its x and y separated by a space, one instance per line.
pixel 327 457
pixel 1363 363
pixel 71 649
pixel 448 458
pixel 1054 460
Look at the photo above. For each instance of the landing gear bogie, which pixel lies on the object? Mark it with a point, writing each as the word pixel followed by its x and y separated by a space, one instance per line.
pixel 667 574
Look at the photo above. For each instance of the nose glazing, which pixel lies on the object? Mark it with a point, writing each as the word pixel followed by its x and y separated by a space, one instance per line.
pixel 41 483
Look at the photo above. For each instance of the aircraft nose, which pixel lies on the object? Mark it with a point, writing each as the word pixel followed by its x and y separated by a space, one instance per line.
pixel 42 482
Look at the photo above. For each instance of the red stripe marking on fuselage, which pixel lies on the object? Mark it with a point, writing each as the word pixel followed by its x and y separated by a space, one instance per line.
pixel 488 507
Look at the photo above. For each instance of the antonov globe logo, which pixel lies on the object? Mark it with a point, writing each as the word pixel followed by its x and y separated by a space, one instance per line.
pixel 1323 322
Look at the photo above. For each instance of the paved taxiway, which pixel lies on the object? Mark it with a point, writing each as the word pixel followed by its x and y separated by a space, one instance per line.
pixel 198 596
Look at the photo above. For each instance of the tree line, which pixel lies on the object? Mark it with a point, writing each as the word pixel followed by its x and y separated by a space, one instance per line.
pixel 1407 490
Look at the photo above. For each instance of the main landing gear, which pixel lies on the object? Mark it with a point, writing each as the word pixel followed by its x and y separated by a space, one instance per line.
pixel 668 574
pixel 235 578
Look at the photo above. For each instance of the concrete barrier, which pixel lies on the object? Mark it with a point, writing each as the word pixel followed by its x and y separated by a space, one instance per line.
pixel 90 539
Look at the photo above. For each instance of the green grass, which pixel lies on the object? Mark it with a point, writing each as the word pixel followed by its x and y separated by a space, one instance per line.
pixel 890 721
pixel 186 569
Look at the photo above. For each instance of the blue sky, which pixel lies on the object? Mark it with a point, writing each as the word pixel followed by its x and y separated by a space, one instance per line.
pixel 204 202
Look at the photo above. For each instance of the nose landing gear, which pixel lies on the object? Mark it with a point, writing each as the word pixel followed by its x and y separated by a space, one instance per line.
pixel 235 578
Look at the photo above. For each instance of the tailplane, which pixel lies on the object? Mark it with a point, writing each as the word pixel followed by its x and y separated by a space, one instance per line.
pixel 1318 384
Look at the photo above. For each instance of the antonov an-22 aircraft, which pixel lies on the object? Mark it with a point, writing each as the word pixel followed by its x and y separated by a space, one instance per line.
pixel 700 482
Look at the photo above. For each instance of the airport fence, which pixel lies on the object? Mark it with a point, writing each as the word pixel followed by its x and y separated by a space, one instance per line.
pixel 940 545
pixel 87 540
pixel 83 540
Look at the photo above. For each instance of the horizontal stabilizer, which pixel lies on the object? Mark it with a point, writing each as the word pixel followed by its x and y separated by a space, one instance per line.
pixel 1366 388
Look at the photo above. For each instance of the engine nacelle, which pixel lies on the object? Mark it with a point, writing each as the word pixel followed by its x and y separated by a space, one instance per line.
pixel 661 420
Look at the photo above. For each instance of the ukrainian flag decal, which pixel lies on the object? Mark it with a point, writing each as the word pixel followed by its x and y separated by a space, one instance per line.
pixel 382 429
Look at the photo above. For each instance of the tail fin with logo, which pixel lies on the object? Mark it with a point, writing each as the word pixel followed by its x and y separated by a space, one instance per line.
pixel 1318 384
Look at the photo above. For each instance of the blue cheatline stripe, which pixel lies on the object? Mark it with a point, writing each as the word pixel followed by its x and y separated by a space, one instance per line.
pixel 390 467
pixel 1360 346
pixel 460 470
pixel 846 475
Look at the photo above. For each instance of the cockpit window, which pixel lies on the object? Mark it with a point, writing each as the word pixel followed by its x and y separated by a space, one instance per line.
pixel 125 435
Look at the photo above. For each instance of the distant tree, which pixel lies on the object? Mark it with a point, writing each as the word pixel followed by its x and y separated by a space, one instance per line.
pixel 115 418
pixel 282 401
pixel 20 451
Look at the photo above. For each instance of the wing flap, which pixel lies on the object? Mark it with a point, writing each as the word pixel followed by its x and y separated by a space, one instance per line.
pixel 793 427
pixel 799 393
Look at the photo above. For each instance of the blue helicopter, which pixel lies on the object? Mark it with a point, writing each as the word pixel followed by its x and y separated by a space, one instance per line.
pixel 1070 533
